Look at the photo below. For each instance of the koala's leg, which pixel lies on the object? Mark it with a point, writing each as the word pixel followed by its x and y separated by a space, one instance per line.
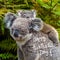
pixel 20 54
pixel 54 37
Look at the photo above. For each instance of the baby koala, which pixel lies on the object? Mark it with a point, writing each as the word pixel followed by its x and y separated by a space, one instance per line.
pixel 46 29
pixel 26 13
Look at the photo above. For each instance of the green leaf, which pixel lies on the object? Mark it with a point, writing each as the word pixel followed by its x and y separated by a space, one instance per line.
pixel 58 23
pixel 6 56
pixel 56 12
pixel 49 5
pixel 43 4
pixel 55 1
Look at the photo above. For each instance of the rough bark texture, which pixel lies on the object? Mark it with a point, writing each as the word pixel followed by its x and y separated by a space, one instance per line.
pixel 39 47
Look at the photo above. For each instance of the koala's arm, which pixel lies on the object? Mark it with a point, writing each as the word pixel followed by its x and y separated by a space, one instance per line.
pixel 20 54
pixel 52 33
pixel 54 37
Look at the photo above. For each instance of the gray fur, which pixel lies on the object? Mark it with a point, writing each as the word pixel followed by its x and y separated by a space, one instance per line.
pixel 51 32
pixel 20 54
pixel 36 24
pixel 9 18
pixel 26 13
pixel 34 45
pixel 39 25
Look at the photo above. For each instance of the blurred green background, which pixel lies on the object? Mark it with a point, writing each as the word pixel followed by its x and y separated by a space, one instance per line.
pixel 47 10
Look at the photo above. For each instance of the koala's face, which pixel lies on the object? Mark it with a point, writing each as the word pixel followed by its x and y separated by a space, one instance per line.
pixel 27 13
pixel 21 29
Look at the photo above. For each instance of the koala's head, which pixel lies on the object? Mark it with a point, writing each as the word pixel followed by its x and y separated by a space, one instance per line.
pixel 27 13
pixel 20 27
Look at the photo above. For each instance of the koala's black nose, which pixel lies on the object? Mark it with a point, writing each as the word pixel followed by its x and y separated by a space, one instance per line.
pixel 16 33
pixel 27 17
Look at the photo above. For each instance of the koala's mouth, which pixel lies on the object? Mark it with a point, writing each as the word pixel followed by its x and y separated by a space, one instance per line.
pixel 23 38
pixel 19 38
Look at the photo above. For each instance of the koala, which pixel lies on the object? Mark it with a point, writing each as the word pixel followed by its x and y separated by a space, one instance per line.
pixel 28 35
pixel 26 13
pixel 47 29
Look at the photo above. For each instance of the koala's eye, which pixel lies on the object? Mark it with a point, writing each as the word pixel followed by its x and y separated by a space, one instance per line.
pixel 17 30
pixel 22 32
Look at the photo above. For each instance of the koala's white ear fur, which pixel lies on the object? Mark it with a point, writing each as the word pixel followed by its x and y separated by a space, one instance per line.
pixel 36 28
pixel 8 19
pixel 36 24
pixel 19 12
pixel 7 25
pixel 34 13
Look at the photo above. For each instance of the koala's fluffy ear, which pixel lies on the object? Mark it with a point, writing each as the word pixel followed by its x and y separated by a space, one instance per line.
pixel 19 12
pixel 36 24
pixel 34 13
pixel 8 19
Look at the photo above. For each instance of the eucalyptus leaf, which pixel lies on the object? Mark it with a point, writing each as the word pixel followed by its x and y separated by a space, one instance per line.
pixel 56 12
pixel 43 4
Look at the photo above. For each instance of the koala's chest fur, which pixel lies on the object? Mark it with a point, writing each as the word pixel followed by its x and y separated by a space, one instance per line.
pixel 36 47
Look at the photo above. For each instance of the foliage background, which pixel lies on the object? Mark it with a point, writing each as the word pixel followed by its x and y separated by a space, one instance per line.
pixel 47 10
